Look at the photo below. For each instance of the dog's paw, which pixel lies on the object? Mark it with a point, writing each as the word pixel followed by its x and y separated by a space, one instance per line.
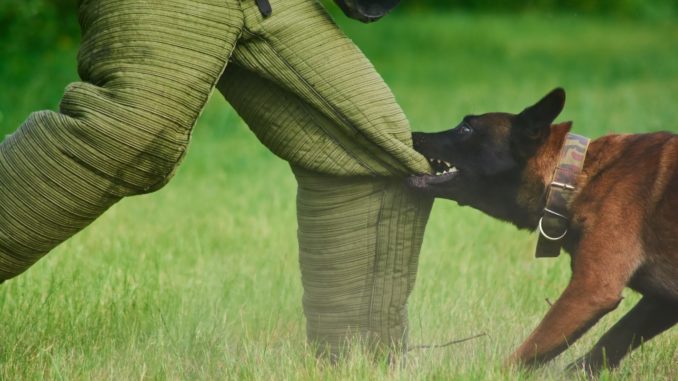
pixel 584 366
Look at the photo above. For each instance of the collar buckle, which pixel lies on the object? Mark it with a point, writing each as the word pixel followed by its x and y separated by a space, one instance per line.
pixel 560 185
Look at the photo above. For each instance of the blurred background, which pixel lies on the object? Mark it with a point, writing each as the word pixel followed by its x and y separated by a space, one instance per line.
pixel 40 37
pixel 42 23
pixel 200 280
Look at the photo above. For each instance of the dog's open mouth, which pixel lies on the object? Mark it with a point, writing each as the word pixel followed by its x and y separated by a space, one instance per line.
pixel 443 172
pixel 442 167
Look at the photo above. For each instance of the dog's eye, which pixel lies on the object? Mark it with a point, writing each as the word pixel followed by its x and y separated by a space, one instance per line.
pixel 465 129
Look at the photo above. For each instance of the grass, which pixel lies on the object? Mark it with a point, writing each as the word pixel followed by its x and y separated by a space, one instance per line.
pixel 200 280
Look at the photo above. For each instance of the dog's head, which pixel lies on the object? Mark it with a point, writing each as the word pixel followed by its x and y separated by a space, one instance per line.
pixel 481 160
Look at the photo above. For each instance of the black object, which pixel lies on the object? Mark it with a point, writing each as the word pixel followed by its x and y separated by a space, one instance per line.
pixel 366 10
pixel 264 7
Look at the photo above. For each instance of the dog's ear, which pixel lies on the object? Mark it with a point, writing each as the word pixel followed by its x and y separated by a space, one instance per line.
pixel 535 121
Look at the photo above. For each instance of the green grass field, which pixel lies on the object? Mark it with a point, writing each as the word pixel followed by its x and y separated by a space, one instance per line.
pixel 200 280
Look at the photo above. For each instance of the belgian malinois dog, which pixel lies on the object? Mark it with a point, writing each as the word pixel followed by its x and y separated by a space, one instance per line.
pixel 620 221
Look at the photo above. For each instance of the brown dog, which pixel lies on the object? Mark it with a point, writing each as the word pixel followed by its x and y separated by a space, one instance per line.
pixel 621 218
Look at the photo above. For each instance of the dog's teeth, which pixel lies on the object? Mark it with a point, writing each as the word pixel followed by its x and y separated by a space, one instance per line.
pixel 447 163
pixel 453 170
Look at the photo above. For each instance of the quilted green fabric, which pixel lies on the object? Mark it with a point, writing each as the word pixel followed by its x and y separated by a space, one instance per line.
pixel 307 92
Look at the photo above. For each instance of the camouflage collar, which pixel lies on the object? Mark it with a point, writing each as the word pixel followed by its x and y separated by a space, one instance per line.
pixel 554 223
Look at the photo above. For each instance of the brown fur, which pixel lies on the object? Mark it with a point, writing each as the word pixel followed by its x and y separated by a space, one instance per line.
pixel 623 231
pixel 627 235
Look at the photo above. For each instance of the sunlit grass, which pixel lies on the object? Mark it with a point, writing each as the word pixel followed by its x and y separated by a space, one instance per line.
pixel 201 280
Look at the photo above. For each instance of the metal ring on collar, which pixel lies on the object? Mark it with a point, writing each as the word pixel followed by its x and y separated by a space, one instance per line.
pixel 553 212
pixel 541 230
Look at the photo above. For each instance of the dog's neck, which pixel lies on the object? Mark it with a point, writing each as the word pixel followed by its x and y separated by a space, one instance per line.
pixel 538 173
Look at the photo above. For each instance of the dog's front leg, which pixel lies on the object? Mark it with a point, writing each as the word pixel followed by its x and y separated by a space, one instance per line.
pixel 600 273
pixel 569 317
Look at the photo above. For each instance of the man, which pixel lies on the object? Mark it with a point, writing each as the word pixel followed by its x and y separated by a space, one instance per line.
pixel 147 69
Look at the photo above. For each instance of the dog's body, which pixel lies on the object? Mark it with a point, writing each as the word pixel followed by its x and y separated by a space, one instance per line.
pixel 623 228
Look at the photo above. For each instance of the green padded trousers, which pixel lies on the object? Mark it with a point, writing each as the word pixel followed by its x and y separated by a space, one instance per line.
pixel 307 92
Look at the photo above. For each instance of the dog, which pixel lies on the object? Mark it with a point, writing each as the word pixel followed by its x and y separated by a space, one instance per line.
pixel 618 221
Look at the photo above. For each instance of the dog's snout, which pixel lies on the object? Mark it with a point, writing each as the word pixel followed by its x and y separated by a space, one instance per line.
pixel 418 140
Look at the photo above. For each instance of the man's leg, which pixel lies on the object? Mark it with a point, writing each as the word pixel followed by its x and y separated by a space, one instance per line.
pixel 312 97
pixel 148 68
pixel 359 241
